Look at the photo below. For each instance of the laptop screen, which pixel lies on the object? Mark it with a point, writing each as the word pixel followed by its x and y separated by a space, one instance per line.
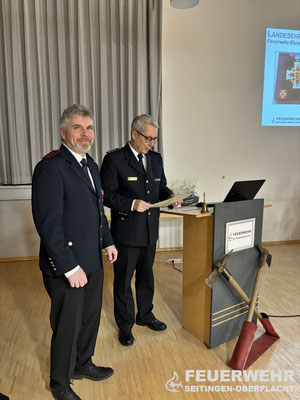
pixel 243 190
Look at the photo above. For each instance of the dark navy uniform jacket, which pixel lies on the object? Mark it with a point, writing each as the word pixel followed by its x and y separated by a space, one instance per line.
pixel 68 214
pixel 124 180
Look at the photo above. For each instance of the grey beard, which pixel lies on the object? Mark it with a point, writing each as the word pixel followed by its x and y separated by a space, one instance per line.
pixel 82 149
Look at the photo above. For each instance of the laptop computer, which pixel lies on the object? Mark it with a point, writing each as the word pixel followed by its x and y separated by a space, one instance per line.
pixel 243 190
pixel 240 190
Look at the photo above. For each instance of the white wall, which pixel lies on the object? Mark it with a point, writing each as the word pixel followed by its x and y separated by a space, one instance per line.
pixel 213 67
pixel 18 236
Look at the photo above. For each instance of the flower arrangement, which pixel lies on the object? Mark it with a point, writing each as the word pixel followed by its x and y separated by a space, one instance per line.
pixel 188 187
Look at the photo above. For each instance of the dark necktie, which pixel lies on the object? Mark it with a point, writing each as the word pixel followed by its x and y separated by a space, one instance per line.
pixel 85 169
pixel 140 156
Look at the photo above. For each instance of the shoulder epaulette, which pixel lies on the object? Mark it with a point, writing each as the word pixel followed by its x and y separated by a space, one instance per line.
pixel 111 151
pixel 52 154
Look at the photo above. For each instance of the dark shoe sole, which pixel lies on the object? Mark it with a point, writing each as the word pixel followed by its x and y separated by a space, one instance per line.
pixel 59 396
pixel 78 377
pixel 152 328
pixel 126 344
pixel 122 338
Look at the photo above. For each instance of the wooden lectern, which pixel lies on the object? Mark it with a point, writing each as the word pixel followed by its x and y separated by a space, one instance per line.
pixel 216 315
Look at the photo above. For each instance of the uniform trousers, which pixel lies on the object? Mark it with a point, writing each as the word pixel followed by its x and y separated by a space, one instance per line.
pixel 74 319
pixel 139 259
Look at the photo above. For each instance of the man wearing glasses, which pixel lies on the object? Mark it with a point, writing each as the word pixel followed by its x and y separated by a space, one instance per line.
pixel 133 178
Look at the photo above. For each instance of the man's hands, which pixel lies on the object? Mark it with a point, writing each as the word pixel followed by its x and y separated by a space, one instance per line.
pixel 111 254
pixel 141 205
pixel 78 279
pixel 177 202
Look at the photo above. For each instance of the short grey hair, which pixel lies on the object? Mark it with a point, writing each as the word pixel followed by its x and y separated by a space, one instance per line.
pixel 139 122
pixel 75 109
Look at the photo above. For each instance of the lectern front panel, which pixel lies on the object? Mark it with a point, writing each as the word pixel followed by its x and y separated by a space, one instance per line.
pixel 237 225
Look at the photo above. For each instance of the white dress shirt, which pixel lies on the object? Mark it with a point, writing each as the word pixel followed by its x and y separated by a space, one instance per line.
pixel 136 156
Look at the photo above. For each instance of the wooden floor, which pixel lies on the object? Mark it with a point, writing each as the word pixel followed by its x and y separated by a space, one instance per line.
pixel 141 371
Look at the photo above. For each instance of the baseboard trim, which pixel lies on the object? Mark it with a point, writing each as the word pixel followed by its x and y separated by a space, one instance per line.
pixel 35 258
pixel 17 259
pixel 169 249
pixel 281 242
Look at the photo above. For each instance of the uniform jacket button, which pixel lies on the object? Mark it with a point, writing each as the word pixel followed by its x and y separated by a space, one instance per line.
pixel 70 243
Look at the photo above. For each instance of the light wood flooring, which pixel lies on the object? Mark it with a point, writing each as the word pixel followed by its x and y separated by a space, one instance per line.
pixel 142 370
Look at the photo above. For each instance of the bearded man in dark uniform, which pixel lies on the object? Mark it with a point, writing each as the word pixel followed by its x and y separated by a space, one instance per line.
pixel 132 178
pixel 68 214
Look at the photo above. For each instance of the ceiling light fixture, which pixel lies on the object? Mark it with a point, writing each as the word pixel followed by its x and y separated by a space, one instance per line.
pixel 184 3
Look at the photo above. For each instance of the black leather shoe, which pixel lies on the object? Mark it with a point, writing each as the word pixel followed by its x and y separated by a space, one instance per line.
pixel 155 324
pixel 93 372
pixel 126 339
pixel 64 394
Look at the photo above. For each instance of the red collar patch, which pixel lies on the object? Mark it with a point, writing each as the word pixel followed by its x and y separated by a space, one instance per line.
pixel 52 154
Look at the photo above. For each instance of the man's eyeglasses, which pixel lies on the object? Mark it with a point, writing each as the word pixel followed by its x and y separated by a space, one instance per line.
pixel 148 138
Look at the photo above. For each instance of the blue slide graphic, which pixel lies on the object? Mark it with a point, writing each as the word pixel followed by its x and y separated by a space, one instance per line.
pixel 281 98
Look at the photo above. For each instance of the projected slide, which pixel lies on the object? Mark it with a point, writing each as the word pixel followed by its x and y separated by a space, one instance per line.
pixel 281 99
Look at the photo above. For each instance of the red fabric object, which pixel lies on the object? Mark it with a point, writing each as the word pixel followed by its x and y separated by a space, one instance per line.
pixel 259 347
pixel 243 346
pixel 246 351
pixel 268 326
